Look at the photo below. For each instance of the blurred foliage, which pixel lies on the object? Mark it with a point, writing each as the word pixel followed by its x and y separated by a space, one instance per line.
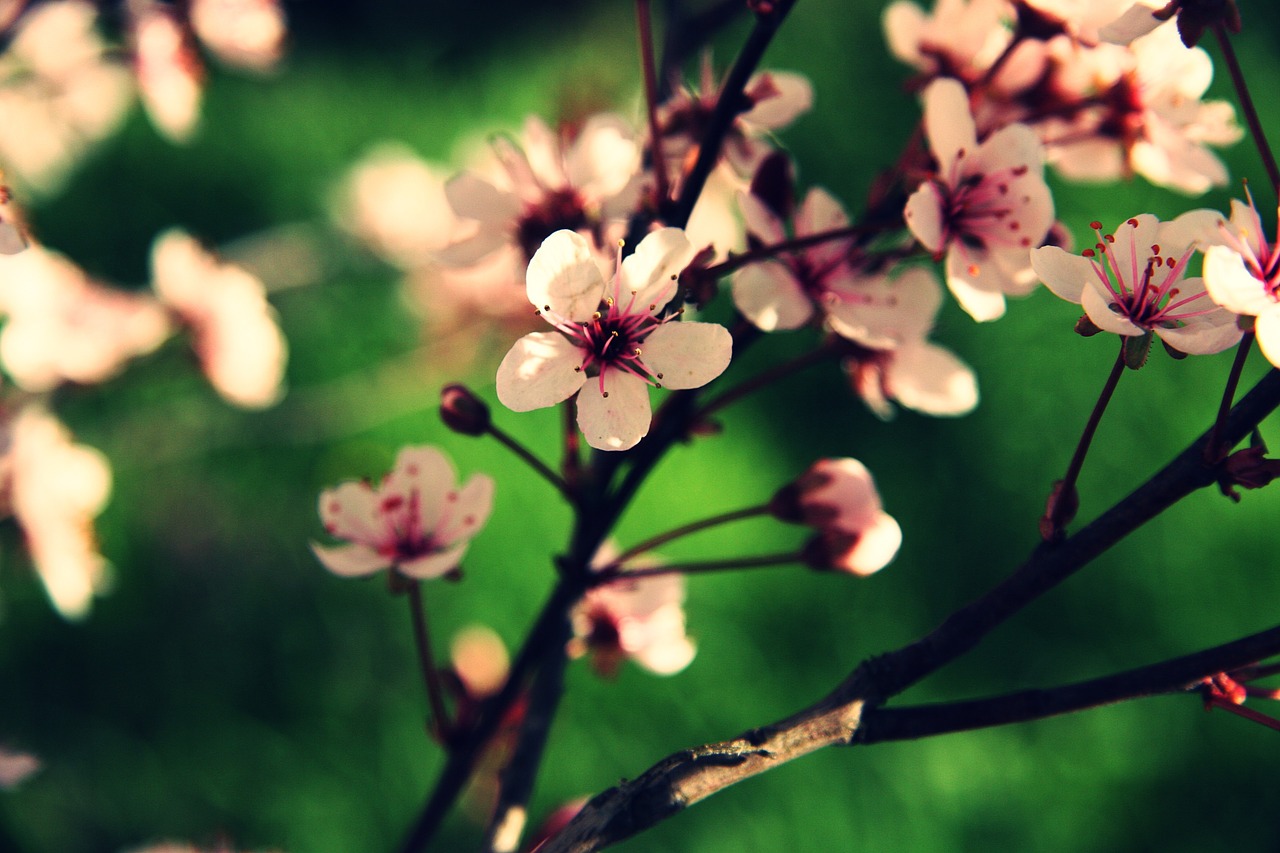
pixel 230 689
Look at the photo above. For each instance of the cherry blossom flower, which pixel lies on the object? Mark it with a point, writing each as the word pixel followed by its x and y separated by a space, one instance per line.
pixel 621 337
pixel 245 33
pixel 1242 273
pixel 544 184
pixel 888 321
pixel 417 520
pixel 641 619
pixel 394 202
pixel 59 92
pixel 838 497
pixel 777 99
pixel 782 293
pixel 1133 283
pixel 987 205
pixel 54 489
pixel 1139 109
pixel 959 38
pixel 168 70
pixel 64 328
pixel 236 337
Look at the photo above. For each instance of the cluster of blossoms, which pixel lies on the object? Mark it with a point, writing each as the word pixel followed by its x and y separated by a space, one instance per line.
pixel 62 328
pixel 1102 110
pixel 63 87
pixel 1007 87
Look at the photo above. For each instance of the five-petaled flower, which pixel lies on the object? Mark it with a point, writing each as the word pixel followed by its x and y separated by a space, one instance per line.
pixel 986 206
pixel 1242 273
pixel 838 498
pixel 610 343
pixel 417 520
pixel 1133 283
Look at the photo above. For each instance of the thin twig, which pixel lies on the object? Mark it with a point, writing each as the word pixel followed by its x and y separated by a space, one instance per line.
pixel 1246 106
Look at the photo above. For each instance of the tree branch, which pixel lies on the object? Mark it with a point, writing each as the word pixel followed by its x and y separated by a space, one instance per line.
pixel 692 775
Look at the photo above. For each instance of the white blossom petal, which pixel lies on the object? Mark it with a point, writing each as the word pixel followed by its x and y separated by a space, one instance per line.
pixel 350 561
pixel 923 215
pixel 1098 307
pixel 929 379
pixel 1138 20
pixel 948 123
pixel 760 220
pixel 468 512
pixel 688 355
pixel 1232 285
pixel 617 421
pixel 350 511
pixel 976 286
pixel 652 268
pixel 426 472
pixel 1267 330
pixel 563 277
pixel 793 97
pixel 434 564
pixel 540 370
pixel 1064 273
pixel 769 296
pixel 473 197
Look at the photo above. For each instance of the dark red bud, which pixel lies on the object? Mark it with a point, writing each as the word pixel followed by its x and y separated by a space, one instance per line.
pixel 462 411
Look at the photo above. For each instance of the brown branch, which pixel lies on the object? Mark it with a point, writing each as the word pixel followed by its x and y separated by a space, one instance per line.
pixel 687 777
pixel 511 813
pixel 1171 676
pixel 690 776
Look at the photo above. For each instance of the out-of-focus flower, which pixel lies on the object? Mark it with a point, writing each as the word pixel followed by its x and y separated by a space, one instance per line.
pixel 16 767
pixel 888 321
pixel 168 71
pixel 54 488
pixel 987 205
pixel 543 184
pixel 783 293
pixel 641 619
pixel 1242 273
pixel 245 33
pixel 62 327
pixel 622 337
pixel 417 520
pixel 1134 282
pixel 959 38
pixel 394 202
pixel 776 98
pixel 59 92
pixel 838 498
pixel 1137 108
pixel 234 330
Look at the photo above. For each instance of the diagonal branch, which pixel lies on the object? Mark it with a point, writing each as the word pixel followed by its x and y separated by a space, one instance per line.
pixel 692 775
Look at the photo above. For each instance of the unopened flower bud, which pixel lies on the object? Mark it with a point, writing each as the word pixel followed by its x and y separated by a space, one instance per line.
pixel 838 498
pixel 462 411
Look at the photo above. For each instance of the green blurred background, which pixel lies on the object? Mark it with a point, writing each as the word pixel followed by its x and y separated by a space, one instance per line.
pixel 229 689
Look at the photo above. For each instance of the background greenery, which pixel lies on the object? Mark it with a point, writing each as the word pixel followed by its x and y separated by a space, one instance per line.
pixel 228 688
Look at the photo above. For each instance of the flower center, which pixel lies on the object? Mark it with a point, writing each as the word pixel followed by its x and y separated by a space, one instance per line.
pixel 558 209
